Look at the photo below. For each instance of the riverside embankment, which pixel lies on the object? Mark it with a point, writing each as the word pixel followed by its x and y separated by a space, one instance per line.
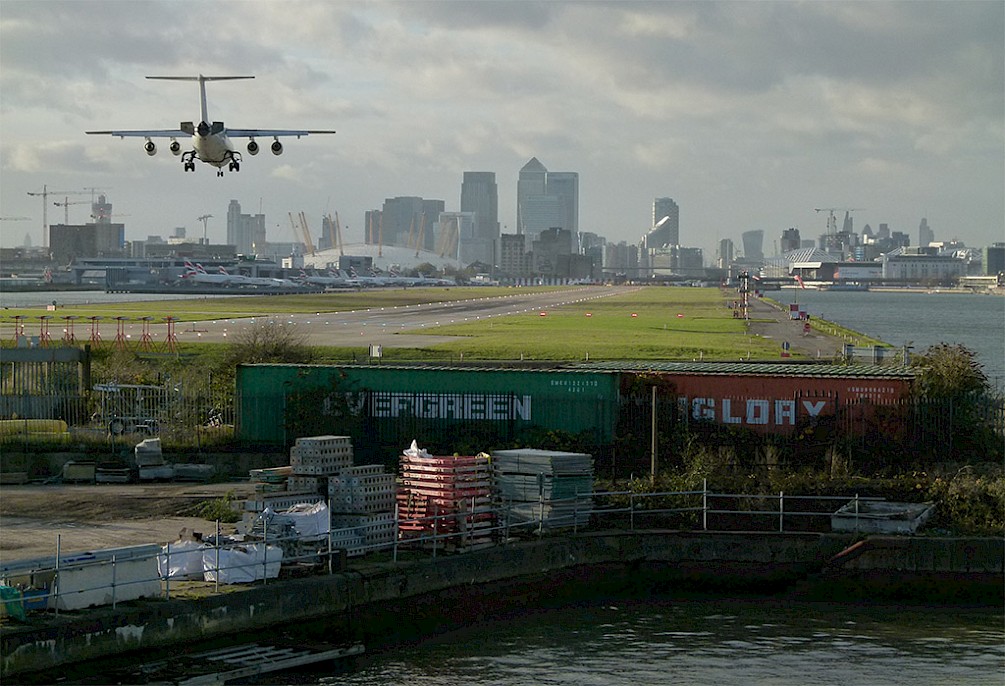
pixel 384 602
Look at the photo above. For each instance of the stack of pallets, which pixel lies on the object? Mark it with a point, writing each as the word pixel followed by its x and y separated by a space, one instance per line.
pixel 554 489
pixel 450 497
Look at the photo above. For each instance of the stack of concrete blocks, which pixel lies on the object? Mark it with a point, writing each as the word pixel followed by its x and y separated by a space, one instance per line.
pixel 312 460
pixel 362 502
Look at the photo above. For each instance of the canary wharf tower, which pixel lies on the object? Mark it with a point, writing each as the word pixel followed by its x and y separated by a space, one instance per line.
pixel 546 200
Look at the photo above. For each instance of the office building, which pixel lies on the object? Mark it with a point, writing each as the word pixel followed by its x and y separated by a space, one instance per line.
pixel 790 240
pixel 480 197
pixel 925 234
pixel 245 231
pixel 668 232
pixel 753 245
pixel 546 200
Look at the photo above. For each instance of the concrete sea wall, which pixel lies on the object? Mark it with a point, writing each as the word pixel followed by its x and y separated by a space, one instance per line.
pixel 364 601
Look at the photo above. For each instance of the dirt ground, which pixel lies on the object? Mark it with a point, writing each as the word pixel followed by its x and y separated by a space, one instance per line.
pixel 96 516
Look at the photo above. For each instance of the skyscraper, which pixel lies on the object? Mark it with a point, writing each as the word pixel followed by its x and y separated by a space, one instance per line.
pixel 753 244
pixel 480 195
pixel 246 232
pixel 790 240
pixel 669 233
pixel 925 235
pixel 546 200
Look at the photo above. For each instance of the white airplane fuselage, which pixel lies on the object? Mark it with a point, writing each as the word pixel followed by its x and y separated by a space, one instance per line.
pixel 215 149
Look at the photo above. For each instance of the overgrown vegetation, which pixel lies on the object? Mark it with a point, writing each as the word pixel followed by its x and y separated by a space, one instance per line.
pixel 223 509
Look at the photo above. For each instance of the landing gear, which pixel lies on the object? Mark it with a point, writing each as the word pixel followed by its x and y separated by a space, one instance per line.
pixel 188 160
pixel 190 166
pixel 235 161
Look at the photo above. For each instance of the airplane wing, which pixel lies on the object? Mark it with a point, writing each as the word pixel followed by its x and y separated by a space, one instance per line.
pixel 155 133
pixel 256 133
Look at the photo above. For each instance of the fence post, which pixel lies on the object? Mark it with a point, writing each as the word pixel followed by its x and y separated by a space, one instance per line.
pixel 704 504
pixel 856 514
pixel 54 592
pixel 113 582
pixel 631 512
pixel 265 556
pixel 436 525
pixel 781 512
pixel 167 572
pixel 330 569
pixel 575 513
pixel 216 585
pixel 397 533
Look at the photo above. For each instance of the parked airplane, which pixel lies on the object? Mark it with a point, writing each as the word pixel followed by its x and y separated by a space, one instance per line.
pixel 332 281
pixel 210 141
pixel 197 274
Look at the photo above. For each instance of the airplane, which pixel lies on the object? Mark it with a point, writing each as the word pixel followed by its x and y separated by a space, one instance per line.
pixel 211 142
pixel 325 281
pixel 197 274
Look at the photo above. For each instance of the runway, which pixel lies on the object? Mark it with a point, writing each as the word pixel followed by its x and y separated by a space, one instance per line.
pixel 391 327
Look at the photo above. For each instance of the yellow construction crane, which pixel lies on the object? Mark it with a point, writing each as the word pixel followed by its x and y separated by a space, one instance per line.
pixel 307 233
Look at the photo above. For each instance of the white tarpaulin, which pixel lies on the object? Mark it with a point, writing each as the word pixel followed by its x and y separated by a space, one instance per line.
pixel 242 564
pixel 181 560
pixel 310 520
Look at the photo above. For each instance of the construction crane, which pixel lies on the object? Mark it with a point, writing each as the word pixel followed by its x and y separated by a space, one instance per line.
pixel 307 233
pixel 45 193
pixel 204 219
pixel 66 207
pixel 831 221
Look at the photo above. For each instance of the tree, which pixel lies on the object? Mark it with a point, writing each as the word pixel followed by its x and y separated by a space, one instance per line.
pixel 955 403
pixel 271 341
pixel 948 371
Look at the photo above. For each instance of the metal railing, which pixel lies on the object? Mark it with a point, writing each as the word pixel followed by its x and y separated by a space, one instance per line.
pixel 440 533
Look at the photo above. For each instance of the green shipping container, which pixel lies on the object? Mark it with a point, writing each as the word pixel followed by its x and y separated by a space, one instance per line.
pixel 575 401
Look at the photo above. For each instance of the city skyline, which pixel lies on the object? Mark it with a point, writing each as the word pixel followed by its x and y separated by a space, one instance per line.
pixel 748 115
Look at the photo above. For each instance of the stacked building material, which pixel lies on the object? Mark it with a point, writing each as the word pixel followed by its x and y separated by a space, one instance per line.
pixel 362 502
pixel 321 455
pixel 554 489
pixel 361 497
pixel 450 497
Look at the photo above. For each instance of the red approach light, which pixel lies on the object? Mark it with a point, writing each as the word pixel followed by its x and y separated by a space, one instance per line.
pixel 544 314
pixel 635 314
pixel 589 314
pixel 680 315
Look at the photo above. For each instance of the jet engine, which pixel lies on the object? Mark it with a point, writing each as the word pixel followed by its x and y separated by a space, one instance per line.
pixel 277 147
pixel 252 147
pixel 150 148
pixel 175 147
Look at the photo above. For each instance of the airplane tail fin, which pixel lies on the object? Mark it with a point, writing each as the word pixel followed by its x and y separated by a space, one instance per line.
pixel 202 86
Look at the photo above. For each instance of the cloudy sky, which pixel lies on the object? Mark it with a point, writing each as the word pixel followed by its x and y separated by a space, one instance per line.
pixel 748 114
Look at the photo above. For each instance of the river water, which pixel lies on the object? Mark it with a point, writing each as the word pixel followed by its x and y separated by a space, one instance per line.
pixel 919 319
pixel 702 642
